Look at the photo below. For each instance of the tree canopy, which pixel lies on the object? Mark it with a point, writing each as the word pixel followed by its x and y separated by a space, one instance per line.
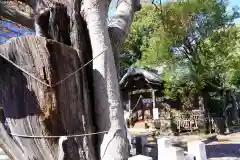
pixel 195 40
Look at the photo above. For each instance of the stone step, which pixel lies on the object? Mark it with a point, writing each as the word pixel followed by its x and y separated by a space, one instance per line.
pixel 3 156
pixel 1 151
pixel 140 157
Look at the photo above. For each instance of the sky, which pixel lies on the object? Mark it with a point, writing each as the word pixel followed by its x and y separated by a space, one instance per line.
pixel 233 3
pixel 16 31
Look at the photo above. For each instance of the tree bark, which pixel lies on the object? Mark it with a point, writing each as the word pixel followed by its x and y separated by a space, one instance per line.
pixel 31 108
pixel 108 108
pixel 234 108
pixel 119 26
pixel 109 112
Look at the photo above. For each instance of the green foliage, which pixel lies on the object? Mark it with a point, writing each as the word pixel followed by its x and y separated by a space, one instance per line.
pixel 217 54
pixel 195 40
pixel 127 59
pixel 180 81
pixel 141 31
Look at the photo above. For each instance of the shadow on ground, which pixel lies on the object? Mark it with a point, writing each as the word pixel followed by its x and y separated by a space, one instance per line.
pixel 223 150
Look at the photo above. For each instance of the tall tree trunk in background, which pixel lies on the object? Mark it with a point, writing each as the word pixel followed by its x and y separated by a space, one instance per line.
pixel 81 24
pixel 225 110
pixel 204 105
pixel 119 26
pixel 234 106
pixel 109 111
pixel 106 88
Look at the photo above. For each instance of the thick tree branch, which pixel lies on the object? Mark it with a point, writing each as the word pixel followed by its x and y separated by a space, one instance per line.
pixel 108 109
pixel 119 25
pixel 124 15
pixel 9 11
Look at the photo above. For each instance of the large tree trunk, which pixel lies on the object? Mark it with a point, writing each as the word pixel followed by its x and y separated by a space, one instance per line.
pixel 108 107
pixel 106 89
pixel 69 107
pixel 31 108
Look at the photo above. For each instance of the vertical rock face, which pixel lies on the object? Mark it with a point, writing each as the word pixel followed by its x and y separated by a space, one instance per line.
pixel 33 105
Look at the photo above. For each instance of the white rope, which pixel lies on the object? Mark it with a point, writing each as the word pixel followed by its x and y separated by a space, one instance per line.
pixel 140 97
pixel 24 71
pixel 42 82
pixel 77 69
pixel 44 137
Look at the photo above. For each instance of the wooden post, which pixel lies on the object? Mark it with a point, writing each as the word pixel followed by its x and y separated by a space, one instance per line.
pixel 153 104
pixel 141 141
pixel 130 110
pixel 138 145
pixel 129 103
pixel 154 109
pixel 142 108
pixel 153 98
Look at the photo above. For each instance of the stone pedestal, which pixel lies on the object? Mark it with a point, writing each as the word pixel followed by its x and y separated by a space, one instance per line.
pixel 141 141
pixel 140 157
pixel 174 153
pixel 198 149
pixel 163 145
pixel 189 157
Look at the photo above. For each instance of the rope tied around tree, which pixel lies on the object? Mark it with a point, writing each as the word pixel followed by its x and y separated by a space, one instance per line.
pixel 50 137
pixel 44 83
pixel 51 86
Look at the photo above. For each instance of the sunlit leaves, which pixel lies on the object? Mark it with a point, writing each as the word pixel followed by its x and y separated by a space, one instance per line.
pixel 196 41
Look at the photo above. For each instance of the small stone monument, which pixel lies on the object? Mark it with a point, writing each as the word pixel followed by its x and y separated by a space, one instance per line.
pixel 174 153
pixel 198 149
pixel 140 157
